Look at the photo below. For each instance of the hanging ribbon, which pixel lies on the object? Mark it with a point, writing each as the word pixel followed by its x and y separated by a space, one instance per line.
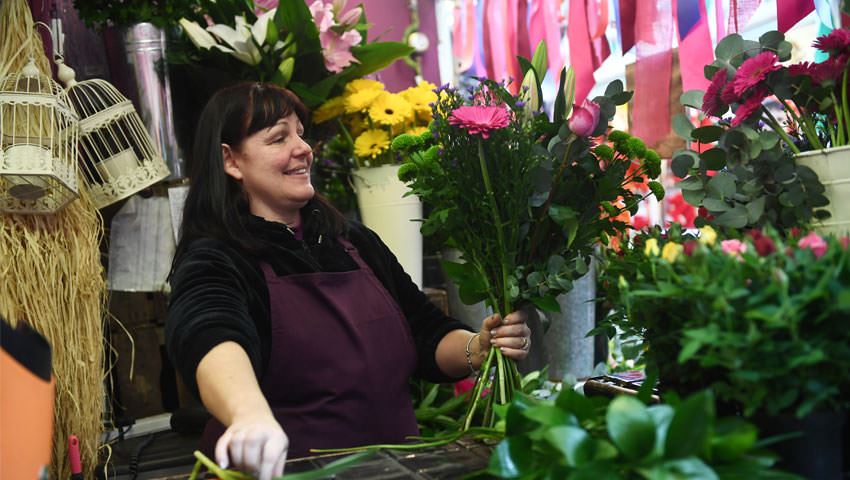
pixel 740 13
pixel 463 35
pixel 828 12
pixel 581 54
pixel 545 23
pixel 719 20
pixel 694 43
pixel 479 65
pixel 626 21
pixel 789 12
pixel 653 70
pixel 524 48
pixel 500 30
pixel 597 23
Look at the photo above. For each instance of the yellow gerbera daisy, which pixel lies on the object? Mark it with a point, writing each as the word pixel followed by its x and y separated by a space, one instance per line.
pixel 421 97
pixel 356 124
pixel 390 109
pixel 371 143
pixel 332 108
pixel 361 84
pixel 361 100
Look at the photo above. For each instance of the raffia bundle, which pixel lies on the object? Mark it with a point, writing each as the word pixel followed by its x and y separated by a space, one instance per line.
pixel 51 278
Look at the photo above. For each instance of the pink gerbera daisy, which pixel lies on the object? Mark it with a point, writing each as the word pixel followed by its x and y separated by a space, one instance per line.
pixel 749 107
pixel 712 103
pixel 754 71
pixel 829 70
pixel 480 119
pixel 800 69
pixel 836 41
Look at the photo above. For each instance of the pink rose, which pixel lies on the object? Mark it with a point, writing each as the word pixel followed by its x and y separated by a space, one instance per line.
pixel 815 243
pixel 584 119
pixel 733 247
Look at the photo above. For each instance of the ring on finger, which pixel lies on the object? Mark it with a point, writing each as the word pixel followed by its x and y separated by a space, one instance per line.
pixel 524 343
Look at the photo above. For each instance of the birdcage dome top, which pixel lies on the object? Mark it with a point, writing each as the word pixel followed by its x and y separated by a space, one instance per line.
pixel 32 87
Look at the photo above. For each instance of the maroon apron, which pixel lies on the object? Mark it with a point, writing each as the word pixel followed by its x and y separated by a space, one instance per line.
pixel 341 357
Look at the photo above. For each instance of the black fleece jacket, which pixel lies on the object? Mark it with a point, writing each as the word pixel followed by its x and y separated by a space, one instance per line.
pixel 219 293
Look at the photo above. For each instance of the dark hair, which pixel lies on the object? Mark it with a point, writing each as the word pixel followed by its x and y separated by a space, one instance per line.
pixel 216 205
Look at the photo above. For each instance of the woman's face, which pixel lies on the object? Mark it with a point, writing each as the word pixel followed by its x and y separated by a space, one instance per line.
pixel 273 166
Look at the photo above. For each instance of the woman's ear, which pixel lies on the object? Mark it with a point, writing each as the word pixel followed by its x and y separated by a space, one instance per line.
pixel 231 164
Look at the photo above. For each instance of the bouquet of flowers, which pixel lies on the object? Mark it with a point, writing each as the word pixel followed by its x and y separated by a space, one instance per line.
pixel 760 319
pixel 524 198
pixel 314 51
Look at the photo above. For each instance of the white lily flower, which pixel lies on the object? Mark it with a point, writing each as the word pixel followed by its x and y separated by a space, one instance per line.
pixel 261 27
pixel 239 40
pixel 200 37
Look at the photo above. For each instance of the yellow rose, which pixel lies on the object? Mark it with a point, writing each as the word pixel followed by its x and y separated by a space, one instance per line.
pixel 671 251
pixel 707 235
pixel 651 247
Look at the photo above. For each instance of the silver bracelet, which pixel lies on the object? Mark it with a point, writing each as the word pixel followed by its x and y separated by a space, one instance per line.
pixel 472 370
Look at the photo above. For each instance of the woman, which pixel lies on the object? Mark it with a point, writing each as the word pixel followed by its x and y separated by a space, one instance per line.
pixel 297 329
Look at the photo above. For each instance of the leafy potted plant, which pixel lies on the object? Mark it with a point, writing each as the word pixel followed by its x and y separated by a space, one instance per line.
pixel 760 319
pixel 574 436
pixel 777 169
pixel 524 198
pixel 362 122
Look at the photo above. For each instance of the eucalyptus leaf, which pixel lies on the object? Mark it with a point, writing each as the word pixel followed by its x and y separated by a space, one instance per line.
pixel 692 98
pixel 755 209
pixel 690 183
pixel 729 46
pixel 683 126
pixel 715 205
pixel 682 162
pixel 547 303
pixel 723 183
pixel 707 134
pixel 713 159
pixel 734 218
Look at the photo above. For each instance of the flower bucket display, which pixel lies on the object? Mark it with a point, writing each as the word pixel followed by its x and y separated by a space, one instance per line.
pixel 393 216
pixel 833 169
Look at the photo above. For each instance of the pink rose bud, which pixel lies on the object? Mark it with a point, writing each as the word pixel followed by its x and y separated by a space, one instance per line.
pixel 733 247
pixel 584 119
pixel 814 242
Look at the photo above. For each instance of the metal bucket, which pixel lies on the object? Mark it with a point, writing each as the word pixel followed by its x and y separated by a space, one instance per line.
pixel 146 78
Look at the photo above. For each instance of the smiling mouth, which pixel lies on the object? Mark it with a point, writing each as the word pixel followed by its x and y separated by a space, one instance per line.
pixel 296 171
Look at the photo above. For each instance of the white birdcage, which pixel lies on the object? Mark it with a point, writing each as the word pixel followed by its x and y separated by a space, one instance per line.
pixel 38 144
pixel 117 154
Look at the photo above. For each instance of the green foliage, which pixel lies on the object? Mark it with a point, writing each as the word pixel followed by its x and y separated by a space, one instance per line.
pixel 100 13
pixel 765 328
pixel 574 437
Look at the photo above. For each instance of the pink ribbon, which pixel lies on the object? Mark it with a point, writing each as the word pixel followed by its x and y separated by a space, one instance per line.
pixel 581 54
pixel 789 12
pixel 463 35
pixel 695 52
pixel 653 70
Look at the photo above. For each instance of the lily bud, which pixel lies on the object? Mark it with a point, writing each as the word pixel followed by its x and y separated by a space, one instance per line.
pixel 569 92
pixel 532 92
pixel 584 119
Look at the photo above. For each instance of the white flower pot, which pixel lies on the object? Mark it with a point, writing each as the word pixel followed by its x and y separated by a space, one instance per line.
pixel 833 169
pixel 394 217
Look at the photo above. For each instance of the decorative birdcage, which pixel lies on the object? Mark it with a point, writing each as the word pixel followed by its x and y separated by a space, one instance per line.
pixel 38 144
pixel 117 155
